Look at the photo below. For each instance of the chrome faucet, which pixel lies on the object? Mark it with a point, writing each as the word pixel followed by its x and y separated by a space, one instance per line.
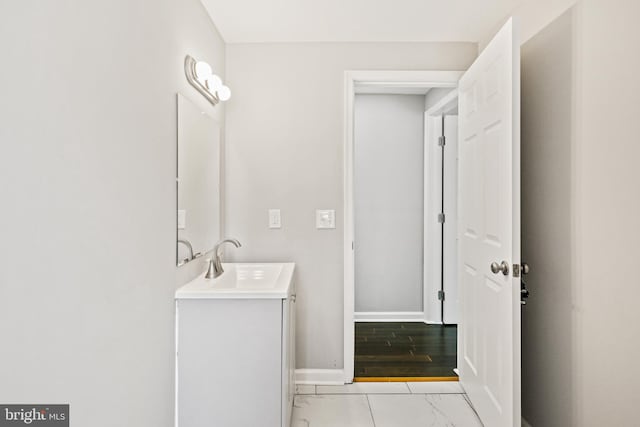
pixel 189 248
pixel 215 263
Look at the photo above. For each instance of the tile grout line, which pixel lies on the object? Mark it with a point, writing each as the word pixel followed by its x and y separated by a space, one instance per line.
pixel 408 388
pixel 375 394
pixel 373 420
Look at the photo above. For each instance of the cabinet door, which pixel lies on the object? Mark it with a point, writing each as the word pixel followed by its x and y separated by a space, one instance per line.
pixel 229 353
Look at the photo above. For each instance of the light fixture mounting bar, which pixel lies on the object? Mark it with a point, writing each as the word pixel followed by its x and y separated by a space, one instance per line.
pixel 190 72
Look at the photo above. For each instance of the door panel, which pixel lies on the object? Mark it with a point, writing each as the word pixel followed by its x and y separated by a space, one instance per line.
pixel 489 229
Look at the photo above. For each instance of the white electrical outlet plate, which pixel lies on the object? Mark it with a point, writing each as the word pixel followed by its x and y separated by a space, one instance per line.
pixel 182 219
pixel 274 218
pixel 325 218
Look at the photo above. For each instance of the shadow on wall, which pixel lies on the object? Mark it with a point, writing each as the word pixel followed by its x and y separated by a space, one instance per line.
pixel 547 131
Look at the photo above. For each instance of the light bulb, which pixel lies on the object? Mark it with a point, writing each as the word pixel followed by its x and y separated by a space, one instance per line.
pixel 214 83
pixel 224 93
pixel 203 70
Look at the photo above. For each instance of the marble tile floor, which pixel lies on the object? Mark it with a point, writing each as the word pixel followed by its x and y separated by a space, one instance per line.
pixel 396 404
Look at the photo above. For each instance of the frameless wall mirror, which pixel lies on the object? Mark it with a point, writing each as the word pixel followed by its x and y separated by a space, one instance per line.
pixel 198 179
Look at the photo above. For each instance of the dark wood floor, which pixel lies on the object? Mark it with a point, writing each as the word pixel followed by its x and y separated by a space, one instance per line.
pixel 407 349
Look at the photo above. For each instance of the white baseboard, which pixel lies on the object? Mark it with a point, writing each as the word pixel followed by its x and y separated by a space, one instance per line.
pixel 388 316
pixel 525 423
pixel 320 376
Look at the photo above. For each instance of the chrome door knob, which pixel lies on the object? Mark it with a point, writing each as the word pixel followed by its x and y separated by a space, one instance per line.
pixel 502 267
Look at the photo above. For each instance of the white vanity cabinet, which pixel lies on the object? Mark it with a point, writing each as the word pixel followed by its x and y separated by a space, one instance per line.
pixel 235 348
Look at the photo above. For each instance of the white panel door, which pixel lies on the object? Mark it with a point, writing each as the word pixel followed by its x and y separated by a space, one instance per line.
pixel 489 230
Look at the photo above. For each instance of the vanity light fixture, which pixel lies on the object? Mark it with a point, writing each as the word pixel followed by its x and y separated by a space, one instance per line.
pixel 200 75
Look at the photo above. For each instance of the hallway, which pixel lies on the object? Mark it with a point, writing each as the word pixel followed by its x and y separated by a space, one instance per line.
pixel 405 349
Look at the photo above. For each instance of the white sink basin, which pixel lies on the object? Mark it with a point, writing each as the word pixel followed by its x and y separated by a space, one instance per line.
pixel 242 280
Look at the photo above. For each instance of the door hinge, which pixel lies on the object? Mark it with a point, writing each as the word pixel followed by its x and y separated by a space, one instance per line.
pixel 441 295
pixel 441 218
pixel 442 141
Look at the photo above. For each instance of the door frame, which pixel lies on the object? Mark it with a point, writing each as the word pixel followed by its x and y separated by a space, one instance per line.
pixel 433 253
pixel 378 78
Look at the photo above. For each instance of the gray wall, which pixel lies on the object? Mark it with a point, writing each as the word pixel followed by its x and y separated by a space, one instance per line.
pixel 580 151
pixel 388 202
pixel 87 263
pixel 434 95
pixel 285 150
pixel 547 212
pixel 607 206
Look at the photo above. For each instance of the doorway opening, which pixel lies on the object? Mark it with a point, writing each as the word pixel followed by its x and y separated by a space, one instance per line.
pixel 400 238
pixel 489 263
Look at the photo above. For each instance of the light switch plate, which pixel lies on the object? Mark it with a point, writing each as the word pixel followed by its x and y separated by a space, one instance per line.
pixel 325 218
pixel 274 218
pixel 182 219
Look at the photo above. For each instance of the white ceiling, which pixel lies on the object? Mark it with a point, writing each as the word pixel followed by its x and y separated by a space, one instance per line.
pixel 255 21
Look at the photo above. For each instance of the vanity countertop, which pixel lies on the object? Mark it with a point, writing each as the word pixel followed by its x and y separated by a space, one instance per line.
pixel 243 281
